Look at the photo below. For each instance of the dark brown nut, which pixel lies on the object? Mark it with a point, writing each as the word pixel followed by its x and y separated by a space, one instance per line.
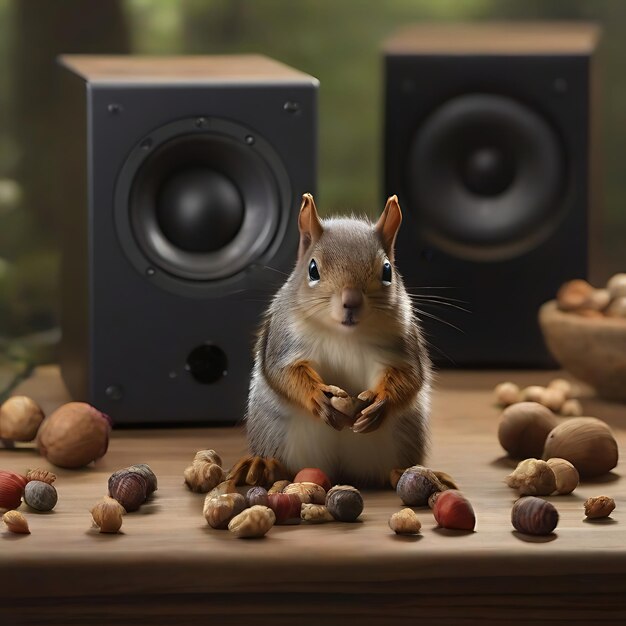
pixel 257 495
pixel 566 475
pixel 453 510
pixel 128 488
pixel 532 477
pixel 507 393
pixel 315 513
pixel 252 522
pixel 107 515
pixel 417 484
pixel 534 516
pixel 20 419
pixel 220 510
pixel 586 442
pixel 40 474
pixel 574 294
pixel 599 506
pixel 344 503
pixel 405 522
pixel 309 493
pixel 148 474
pixel 40 496
pixel 286 507
pixel 523 429
pixel 202 476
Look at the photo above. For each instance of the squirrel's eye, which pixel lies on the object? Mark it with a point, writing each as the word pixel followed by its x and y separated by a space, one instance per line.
pixel 314 274
pixel 386 277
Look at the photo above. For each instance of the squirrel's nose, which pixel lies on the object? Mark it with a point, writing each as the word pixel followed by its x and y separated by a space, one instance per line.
pixel 351 298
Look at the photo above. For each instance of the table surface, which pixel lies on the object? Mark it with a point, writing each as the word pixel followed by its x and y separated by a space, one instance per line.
pixel 168 564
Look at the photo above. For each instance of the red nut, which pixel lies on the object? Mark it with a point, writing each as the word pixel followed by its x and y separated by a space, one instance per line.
pixel 286 507
pixel 453 510
pixel 313 475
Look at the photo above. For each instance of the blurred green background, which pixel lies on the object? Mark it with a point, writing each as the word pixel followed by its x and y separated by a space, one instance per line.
pixel 336 41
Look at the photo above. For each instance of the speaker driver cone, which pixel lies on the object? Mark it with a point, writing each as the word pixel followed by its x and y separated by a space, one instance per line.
pixel 487 176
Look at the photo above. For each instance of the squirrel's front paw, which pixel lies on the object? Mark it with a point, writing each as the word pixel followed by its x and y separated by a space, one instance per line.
pixel 258 470
pixel 324 409
pixel 371 416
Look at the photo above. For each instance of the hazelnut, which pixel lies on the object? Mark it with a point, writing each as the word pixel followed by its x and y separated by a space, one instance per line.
pixel 617 286
pixel 278 486
pixel 252 522
pixel 107 515
pixel 405 522
pixel 316 513
pixel 20 419
pixel 586 442
pixel 524 427
pixel 572 408
pixel 202 476
pixel 220 510
pixel 532 393
pixel 11 489
pixel 40 496
pixel 416 484
pixel 534 516
pixel 130 489
pixel 16 522
pixel 532 477
pixel 257 495
pixel 552 399
pixel 574 294
pixel 74 435
pixel 148 474
pixel 565 474
pixel 617 308
pixel 344 503
pixel 453 510
pixel 286 507
pixel 599 506
pixel 309 493
pixel 507 393
pixel 313 475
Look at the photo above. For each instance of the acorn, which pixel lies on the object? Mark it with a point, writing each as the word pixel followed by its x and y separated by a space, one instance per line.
pixel 74 435
pixel 453 510
pixel 313 475
pixel 416 485
pixel 344 503
pixel 286 507
pixel 534 516
pixel 11 489
pixel 128 488
pixel 586 442
pixel 523 429
pixel 40 495
pixel 20 419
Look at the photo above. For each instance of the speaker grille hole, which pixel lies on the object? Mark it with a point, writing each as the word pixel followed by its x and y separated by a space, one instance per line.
pixel 207 363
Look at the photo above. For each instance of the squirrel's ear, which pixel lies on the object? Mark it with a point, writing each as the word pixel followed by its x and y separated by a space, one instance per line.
pixel 388 225
pixel 309 224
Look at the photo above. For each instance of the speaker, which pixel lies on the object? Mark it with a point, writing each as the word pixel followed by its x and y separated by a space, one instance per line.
pixel 488 145
pixel 185 176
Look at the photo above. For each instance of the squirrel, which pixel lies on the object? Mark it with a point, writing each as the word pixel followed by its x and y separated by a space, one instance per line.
pixel 341 379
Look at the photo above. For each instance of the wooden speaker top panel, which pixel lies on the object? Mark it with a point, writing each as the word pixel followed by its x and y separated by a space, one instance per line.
pixel 181 69
pixel 496 38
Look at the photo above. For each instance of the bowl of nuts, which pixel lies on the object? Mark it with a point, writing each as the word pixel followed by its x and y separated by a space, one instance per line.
pixel 585 330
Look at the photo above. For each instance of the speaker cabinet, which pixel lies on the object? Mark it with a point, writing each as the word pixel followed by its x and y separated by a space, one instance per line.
pixel 488 145
pixel 185 176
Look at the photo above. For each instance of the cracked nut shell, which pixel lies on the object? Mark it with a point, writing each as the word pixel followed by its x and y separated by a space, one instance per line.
pixel 405 522
pixel 344 503
pixel 534 516
pixel 599 506
pixel 316 513
pixel 532 477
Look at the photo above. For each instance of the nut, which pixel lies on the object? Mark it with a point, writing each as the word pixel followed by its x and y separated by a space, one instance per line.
pixel 278 486
pixel 344 503
pixel 565 386
pixel 316 513
pixel 40 474
pixel 20 419
pixel 208 456
pixel 202 476
pixel 586 442
pixel 405 522
pixel 11 489
pixel 257 495
pixel 128 488
pixel 552 399
pixel 16 522
pixel 507 393
pixel 453 510
pixel 220 510
pixel 574 294
pixel 286 507
pixel 565 474
pixel 534 516
pixel 599 299
pixel 532 393
pixel 524 427
pixel 309 493
pixel 416 484
pixel 532 477
pixel 617 308
pixel 572 408
pixel 252 522
pixel 40 496
pixel 107 515
pixel 226 486
pixel 313 475
pixel 599 506
pixel 148 474
pixel 617 286
pixel 74 435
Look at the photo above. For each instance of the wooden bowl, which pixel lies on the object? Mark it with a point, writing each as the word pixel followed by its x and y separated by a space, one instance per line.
pixel 592 349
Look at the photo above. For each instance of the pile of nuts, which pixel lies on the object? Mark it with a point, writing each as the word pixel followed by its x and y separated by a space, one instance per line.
pixel 579 297
pixel 72 436
pixel 559 396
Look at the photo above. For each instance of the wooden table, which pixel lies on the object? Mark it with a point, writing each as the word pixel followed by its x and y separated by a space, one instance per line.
pixel 168 566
